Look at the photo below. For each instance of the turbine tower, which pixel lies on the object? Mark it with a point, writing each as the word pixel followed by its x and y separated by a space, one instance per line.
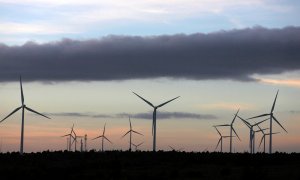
pixel 23 107
pixel 154 116
pixel 231 129
pixel 103 137
pixel 130 134
pixel 271 121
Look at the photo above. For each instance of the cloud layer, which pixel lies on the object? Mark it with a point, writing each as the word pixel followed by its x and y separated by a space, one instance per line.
pixel 235 55
pixel 160 115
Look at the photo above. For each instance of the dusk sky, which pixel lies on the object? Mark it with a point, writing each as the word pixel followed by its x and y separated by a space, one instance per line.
pixel 81 60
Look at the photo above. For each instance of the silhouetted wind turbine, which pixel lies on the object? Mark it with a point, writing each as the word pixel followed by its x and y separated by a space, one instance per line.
pixel 253 137
pixel 23 107
pixel 263 138
pixel 103 137
pixel 251 143
pixel 271 119
pixel 75 139
pixel 154 116
pixel 70 138
pixel 137 145
pixel 173 149
pixel 231 129
pixel 221 139
pixel 130 134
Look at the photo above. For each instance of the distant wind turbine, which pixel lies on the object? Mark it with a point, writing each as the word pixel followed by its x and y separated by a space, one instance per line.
pixel 173 149
pixel 251 140
pixel 70 138
pixel 231 129
pixel 221 139
pixel 137 145
pixel 130 134
pixel 75 139
pixel 263 138
pixel 23 107
pixel 154 116
pixel 103 137
pixel 271 119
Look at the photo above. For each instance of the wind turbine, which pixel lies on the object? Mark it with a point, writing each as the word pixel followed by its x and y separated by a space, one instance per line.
pixel 154 116
pixel 23 107
pixel 173 149
pixel 263 138
pixel 221 139
pixel 137 145
pixel 251 142
pixel 103 137
pixel 75 139
pixel 271 119
pixel 130 134
pixel 70 138
pixel 231 129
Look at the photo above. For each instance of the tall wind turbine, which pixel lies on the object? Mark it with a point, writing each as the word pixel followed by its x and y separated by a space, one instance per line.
pixel 221 139
pixel 263 138
pixel 130 134
pixel 103 137
pixel 231 129
pixel 154 116
pixel 271 119
pixel 23 107
pixel 251 141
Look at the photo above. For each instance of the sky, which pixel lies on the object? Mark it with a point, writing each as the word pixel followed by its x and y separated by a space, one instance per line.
pixel 80 61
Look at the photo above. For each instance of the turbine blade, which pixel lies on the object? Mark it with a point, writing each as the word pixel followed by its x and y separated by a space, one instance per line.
pixel 65 135
pixel 17 109
pixel 279 124
pixel 244 121
pixel 172 148
pixel 167 102
pixel 235 116
pixel 107 139
pixel 137 132
pixel 236 133
pixel 125 134
pixel 218 131
pixel 218 143
pixel 260 122
pixel 97 137
pixel 130 123
pixel 22 95
pixel 261 140
pixel 274 102
pixel 144 99
pixel 261 129
pixel 222 125
pixel 140 144
pixel 36 112
pixel 262 115
pixel 104 129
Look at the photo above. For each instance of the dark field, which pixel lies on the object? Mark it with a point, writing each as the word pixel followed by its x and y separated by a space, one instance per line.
pixel 148 165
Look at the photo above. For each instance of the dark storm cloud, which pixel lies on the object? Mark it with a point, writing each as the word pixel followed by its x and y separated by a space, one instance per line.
pixel 235 54
pixel 160 115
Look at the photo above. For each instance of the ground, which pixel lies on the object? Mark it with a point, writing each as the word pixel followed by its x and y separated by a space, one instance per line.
pixel 149 165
